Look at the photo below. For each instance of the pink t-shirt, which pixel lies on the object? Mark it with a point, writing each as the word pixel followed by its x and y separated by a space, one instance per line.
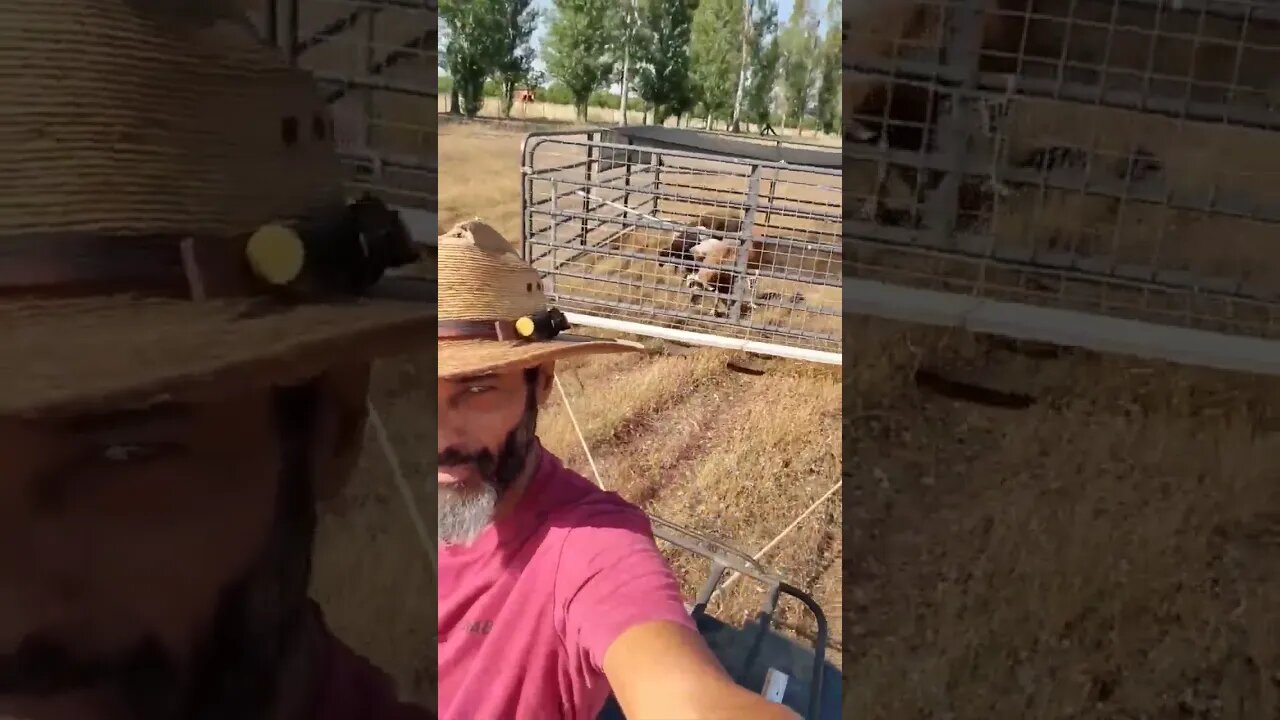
pixel 353 688
pixel 528 610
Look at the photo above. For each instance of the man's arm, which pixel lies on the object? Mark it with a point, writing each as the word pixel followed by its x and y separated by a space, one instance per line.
pixel 664 670
pixel 625 615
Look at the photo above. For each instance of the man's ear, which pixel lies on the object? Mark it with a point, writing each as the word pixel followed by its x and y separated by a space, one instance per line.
pixel 339 430
pixel 546 376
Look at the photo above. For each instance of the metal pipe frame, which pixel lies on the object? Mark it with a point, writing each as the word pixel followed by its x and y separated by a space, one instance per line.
pixel 724 558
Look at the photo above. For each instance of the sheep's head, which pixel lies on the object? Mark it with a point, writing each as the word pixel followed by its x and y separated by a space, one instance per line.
pixel 679 248
pixel 692 281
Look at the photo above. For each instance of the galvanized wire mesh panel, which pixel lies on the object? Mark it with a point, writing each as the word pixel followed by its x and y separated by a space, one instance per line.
pixel 1114 157
pixel 376 60
pixel 708 243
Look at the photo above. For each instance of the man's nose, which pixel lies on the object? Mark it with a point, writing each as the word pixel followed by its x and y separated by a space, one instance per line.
pixel 451 430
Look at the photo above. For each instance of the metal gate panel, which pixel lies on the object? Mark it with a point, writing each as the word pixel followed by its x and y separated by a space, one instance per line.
pixel 376 63
pixel 723 249
pixel 1114 161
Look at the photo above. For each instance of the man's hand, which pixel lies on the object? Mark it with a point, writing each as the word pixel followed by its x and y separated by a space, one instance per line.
pixel 664 670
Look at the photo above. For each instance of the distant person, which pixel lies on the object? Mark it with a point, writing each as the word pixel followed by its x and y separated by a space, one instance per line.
pixel 767 129
pixel 167 422
pixel 552 591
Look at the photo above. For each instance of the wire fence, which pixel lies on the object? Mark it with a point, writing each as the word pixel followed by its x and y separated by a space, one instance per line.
pixel 716 245
pixel 1115 158
pixel 376 63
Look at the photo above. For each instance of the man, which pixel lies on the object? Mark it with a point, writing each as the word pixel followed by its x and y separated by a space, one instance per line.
pixel 552 591
pixel 182 374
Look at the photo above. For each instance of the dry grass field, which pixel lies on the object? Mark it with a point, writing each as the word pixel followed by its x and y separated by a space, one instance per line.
pixel 680 432
pixel 1109 549
pixel 1112 551
pixel 371 575
pixel 545 112
pixel 1109 552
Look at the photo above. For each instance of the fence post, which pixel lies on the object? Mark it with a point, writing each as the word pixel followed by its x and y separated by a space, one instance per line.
pixel 961 52
pixel 592 139
pixel 291 31
pixel 626 179
pixel 366 63
pixel 657 183
pixel 271 11
pixel 773 187
pixel 549 280
pixel 747 233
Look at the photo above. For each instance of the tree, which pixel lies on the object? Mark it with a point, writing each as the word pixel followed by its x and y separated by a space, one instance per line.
pixel 581 46
pixel 799 43
pixel 715 53
pixel 473 28
pixel 514 61
pixel 827 104
pixel 442 61
pixel 765 55
pixel 662 57
pixel 744 62
pixel 630 39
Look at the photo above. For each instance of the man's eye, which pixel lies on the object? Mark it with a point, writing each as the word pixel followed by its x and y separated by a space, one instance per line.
pixel 134 453
pixel 477 389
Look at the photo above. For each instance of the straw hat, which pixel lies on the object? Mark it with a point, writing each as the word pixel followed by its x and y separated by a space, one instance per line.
pixel 493 313
pixel 172 214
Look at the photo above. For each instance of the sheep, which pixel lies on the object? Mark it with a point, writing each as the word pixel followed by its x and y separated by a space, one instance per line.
pixel 682 241
pixel 903 115
pixel 719 272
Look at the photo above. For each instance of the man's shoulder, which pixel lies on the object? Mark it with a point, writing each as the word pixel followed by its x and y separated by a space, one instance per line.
pixel 583 505
pixel 353 688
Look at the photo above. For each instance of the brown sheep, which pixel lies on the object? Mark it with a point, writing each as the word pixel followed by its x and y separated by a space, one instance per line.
pixel 683 241
pixel 719 272
pixel 902 115
pixel 886 30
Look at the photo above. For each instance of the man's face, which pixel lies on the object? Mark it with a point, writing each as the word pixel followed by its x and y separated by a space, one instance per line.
pixel 125 540
pixel 486 428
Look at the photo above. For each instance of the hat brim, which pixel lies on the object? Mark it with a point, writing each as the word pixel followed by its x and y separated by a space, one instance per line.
pixel 80 356
pixel 467 358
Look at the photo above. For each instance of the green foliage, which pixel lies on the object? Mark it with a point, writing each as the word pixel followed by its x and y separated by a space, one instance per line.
pixel 765 55
pixel 514 61
pixel 556 94
pixel 581 47
pixel 716 47
pixel 472 29
pixel 662 59
pixel 827 104
pixel 799 42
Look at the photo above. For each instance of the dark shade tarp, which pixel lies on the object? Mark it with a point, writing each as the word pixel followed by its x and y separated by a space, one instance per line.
pixel 665 138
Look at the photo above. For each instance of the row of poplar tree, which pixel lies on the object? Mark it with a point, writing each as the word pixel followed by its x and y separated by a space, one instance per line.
pixel 727 60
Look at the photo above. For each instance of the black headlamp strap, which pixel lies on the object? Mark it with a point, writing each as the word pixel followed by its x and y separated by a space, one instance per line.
pixel 539 326
pixel 338 251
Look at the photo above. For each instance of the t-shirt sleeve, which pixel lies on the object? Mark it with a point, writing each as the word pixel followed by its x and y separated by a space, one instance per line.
pixel 612 578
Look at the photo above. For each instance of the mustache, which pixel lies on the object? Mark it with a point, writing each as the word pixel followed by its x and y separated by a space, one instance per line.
pixel 42 667
pixel 484 461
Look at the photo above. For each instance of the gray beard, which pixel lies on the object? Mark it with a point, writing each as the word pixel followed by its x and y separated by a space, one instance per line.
pixel 464 512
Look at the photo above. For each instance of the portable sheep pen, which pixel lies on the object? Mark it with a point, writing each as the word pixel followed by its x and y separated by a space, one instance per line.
pixel 690 236
pixel 1091 173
